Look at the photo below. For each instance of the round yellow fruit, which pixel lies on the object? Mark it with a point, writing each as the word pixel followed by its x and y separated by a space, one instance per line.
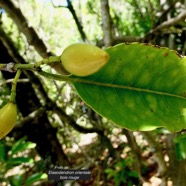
pixel 8 117
pixel 83 59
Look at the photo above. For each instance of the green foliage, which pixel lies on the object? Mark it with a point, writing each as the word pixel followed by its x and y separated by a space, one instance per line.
pixel 21 145
pixel 12 156
pixel 122 173
pixel 134 91
pixel 180 147
pixel 137 19
pixel 34 178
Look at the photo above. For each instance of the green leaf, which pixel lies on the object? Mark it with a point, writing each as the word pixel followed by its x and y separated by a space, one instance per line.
pixel 19 160
pixel 142 87
pixel 110 173
pixel 180 147
pixel 21 145
pixel 133 174
pixel 35 177
pixel 16 180
pixel 2 152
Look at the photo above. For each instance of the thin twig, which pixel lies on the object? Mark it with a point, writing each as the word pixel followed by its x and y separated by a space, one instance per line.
pixel 170 22
pixel 73 12
pixel 30 117
pixel 23 80
pixel 106 22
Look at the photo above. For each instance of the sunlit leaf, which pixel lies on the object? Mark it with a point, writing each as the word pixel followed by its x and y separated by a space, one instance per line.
pixel 142 87
pixel 35 177
pixel 21 145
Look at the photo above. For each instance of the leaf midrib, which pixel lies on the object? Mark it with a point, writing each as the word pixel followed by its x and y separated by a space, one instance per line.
pixel 130 88
pixel 74 79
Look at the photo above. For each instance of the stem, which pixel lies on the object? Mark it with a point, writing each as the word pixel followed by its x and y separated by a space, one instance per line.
pixel 2 66
pixel 14 85
pixel 46 61
pixel 11 67
pixel 51 59
pixel 56 76
pixel 23 66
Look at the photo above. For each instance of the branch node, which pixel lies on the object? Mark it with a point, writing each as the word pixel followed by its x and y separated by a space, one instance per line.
pixel 9 67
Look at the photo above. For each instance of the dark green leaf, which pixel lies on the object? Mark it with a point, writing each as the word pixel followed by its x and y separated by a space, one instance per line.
pixel 16 180
pixel 35 177
pixel 19 160
pixel 133 174
pixel 21 145
pixel 180 147
pixel 2 152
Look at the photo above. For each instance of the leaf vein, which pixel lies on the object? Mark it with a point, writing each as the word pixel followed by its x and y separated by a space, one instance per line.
pixel 122 106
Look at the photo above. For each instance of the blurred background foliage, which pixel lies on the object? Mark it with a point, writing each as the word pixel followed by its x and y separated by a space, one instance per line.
pixel 55 127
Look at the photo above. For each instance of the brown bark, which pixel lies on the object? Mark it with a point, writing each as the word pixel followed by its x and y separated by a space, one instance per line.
pixel 168 23
pixel 106 23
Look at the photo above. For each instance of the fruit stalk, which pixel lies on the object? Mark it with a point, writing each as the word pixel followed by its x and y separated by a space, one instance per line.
pixel 2 66
pixel 51 59
pixel 14 85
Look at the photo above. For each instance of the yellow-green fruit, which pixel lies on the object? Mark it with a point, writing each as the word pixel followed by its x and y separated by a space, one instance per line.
pixel 83 59
pixel 8 116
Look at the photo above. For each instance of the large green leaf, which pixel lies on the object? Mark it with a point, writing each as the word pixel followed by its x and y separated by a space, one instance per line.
pixel 142 87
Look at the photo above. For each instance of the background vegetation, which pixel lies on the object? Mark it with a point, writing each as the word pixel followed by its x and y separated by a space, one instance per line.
pixel 55 127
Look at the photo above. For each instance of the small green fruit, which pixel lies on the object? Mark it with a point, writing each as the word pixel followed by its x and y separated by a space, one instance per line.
pixel 8 117
pixel 83 59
